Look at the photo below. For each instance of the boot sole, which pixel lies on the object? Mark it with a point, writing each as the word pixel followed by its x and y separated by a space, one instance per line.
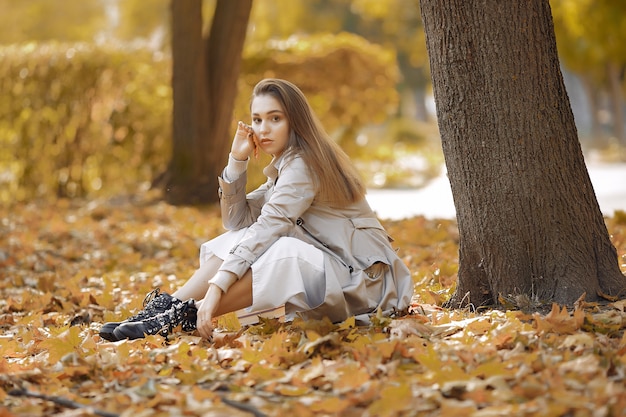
pixel 131 331
pixel 107 331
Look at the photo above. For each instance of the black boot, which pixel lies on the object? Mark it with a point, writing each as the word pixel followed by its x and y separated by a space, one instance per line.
pixel 181 313
pixel 156 302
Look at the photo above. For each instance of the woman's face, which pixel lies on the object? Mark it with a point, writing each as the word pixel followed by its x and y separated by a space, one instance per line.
pixel 270 124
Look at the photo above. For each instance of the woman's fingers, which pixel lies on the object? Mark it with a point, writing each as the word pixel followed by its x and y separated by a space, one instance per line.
pixel 205 328
pixel 204 323
pixel 245 142
pixel 255 144
pixel 206 309
pixel 253 140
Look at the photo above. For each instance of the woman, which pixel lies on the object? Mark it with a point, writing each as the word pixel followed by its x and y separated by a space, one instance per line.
pixel 306 239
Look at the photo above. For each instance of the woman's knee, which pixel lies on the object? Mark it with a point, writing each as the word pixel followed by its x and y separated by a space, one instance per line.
pixel 290 246
pixel 212 258
pixel 211 264
pixel 291 249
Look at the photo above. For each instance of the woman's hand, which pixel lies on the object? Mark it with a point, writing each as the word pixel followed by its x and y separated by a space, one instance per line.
pixel 206 310
pixel 245 143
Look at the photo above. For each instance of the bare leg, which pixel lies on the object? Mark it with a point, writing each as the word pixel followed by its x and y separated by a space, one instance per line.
pixel 197 285
pixel 238 296
pixel 216 303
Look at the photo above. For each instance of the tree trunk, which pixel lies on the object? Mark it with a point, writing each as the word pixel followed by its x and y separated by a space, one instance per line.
pixel 189 102
pixel 528 218
pixel 204 83
pixel 223 49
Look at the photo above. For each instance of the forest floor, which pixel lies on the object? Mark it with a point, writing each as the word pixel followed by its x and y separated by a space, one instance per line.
pixel 66 268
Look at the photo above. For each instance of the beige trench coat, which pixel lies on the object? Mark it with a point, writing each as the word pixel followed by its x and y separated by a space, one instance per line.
pixel 351 238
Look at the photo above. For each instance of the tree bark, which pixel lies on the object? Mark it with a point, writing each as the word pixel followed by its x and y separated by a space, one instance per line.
pixel 528 218
pixel 205 73
pixel 189 100
pixel 223 49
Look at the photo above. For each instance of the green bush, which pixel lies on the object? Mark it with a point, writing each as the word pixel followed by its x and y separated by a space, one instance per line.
pixel 78 120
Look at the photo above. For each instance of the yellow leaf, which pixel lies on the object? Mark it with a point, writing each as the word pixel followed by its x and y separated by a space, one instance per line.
pixel 349 323
pixel 393 398
pixel 479 327
pixel 263 373
pixel 307 374
pixel 300 409
pixel 229 322
pixel 252 355
pixel 200 394
pixel 5 367
pixel 350 377
pixel 559 321
pixel 386 348
pixel 310 347
pixel 291 391
pixel 492 368
pixel 122 352
pixel 62 344
pixel 430 359
pixel 360 342
pixel 332 405
pixel 312 335
pixel 609 322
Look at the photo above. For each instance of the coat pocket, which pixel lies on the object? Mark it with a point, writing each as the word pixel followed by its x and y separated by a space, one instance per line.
pixel 374 280
pixel 369 241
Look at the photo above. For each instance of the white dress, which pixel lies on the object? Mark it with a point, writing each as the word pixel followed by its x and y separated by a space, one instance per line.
pixel 301 264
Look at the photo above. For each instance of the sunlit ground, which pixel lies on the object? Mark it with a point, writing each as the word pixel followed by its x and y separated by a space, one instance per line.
pixel 435 199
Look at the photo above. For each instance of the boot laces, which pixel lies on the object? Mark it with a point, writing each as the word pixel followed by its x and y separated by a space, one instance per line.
pixel 151 296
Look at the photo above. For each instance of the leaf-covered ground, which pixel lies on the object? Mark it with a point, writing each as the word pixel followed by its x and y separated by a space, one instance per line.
pixel 68 267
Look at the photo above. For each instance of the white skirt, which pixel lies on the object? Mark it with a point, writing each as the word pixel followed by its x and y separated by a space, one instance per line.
pixel 290 273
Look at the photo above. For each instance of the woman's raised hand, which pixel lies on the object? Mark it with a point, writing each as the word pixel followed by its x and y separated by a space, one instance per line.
pixel 245 143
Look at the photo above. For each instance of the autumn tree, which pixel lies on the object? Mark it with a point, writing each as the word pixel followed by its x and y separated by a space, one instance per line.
pixel 397 24
pixel 394 24
pixel 528 218
pixel 204 81
pixel 590 37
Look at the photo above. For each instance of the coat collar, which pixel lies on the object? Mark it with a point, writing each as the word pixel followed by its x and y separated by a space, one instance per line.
pixel 271 170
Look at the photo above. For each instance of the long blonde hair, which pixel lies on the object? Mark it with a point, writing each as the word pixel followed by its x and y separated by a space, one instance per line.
pixel 337 179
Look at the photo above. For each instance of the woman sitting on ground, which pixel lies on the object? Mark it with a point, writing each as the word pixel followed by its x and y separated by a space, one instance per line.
pixel 306 239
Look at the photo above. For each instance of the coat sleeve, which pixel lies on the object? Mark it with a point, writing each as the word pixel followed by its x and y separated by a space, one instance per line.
pixel 238 209
pixel 293 194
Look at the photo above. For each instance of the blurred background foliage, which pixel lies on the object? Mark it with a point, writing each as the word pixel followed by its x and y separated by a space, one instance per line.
pixel 590 38
pixel 85 96
pixel 74 117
